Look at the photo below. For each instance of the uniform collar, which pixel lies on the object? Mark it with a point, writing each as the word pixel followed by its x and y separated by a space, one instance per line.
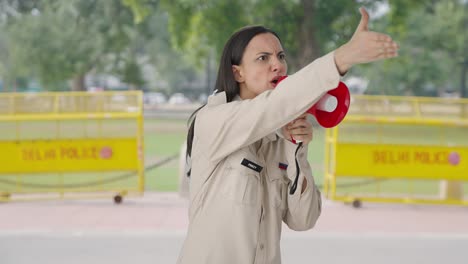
pixel 217 98
pixel 220 98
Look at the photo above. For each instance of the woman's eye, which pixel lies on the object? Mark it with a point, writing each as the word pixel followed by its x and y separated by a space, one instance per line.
pixel 262 58
pixel 282 56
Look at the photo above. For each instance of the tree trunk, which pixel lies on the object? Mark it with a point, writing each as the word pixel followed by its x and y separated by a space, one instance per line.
pixel 78 83
pixel 208 74
pixel 308 48
pixel 463 79
pixel 14 85
pixel 463 92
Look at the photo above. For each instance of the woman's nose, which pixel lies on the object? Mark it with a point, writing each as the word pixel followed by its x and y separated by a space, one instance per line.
pixel 277 65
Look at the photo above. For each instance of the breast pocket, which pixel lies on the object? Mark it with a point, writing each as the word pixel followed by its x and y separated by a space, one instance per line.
pixel 241 181
pixel 277 186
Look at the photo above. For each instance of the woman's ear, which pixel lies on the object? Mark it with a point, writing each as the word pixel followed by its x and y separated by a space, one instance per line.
pixel 237 71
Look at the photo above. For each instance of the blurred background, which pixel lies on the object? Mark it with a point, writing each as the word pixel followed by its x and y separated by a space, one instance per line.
pixel 119 79
pixel 170 50
pixel 168 47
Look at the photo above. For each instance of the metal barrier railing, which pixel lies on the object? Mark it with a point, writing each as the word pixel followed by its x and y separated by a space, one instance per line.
pixel 399 149
pixel 71 144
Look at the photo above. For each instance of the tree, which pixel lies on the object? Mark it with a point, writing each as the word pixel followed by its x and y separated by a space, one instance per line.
pixel 308 28
pixel 430 55
pixel 6 71
pixel 140 8
pixel 66 39
pixel 9 72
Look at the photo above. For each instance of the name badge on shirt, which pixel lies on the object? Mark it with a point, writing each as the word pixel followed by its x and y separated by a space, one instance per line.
pixel 251 165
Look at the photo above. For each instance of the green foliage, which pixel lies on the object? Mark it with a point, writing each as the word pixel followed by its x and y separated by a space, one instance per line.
pixel 140 9
pixel 431 50
pixel 132 74
pixel 56 41
pixel 200 25
pixel 65 39
pixel 428 32
pixel 171 66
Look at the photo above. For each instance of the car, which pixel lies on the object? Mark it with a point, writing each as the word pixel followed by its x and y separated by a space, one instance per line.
pixel 154 98
pixel 178 98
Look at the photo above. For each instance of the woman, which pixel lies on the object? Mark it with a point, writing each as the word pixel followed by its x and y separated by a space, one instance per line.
pixel 246 176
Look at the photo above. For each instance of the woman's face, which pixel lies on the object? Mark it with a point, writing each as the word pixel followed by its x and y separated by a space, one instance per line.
pixel 262 64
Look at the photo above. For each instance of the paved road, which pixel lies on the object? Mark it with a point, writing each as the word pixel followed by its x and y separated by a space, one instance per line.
pixel 151 229
pixel 163 247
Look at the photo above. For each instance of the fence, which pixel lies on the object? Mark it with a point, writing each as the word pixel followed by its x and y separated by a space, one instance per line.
pixel 71 145
pixel 399 149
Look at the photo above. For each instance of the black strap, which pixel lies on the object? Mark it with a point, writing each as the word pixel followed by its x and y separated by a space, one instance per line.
pixel 298 171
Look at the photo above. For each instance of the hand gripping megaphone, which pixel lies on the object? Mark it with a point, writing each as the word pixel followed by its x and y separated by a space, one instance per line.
pixel 332 107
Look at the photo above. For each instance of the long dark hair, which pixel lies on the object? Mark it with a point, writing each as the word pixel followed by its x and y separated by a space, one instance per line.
pixel 225 81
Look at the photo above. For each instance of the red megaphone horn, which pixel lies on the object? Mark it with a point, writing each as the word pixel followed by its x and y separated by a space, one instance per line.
pixel 332 107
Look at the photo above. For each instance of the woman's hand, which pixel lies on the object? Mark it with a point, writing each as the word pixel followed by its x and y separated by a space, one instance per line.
pixel 299 129
pixel 365 46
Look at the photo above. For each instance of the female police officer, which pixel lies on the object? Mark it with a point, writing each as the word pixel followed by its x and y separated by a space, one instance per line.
pixel 246 176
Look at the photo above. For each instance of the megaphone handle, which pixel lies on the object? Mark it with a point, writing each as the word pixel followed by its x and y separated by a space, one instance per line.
pixel 295 141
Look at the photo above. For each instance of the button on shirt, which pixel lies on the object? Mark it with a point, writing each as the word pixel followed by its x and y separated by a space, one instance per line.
pixel 236 210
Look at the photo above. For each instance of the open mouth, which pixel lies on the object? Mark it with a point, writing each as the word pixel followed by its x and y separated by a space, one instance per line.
pixel 275 81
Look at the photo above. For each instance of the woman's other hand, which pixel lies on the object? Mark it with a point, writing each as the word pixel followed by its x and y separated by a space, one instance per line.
pixel 365 46
pixel 299 129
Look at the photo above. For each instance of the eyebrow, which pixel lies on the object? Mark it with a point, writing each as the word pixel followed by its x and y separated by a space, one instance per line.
pixel 269 53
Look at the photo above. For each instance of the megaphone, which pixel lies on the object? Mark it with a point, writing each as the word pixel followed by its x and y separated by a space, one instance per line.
pixel 332 107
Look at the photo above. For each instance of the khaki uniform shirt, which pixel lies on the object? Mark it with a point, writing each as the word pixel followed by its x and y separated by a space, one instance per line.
pixel 242 171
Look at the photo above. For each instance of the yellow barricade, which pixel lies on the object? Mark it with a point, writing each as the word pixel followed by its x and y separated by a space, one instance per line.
pixel 399 149
pixel 71 145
